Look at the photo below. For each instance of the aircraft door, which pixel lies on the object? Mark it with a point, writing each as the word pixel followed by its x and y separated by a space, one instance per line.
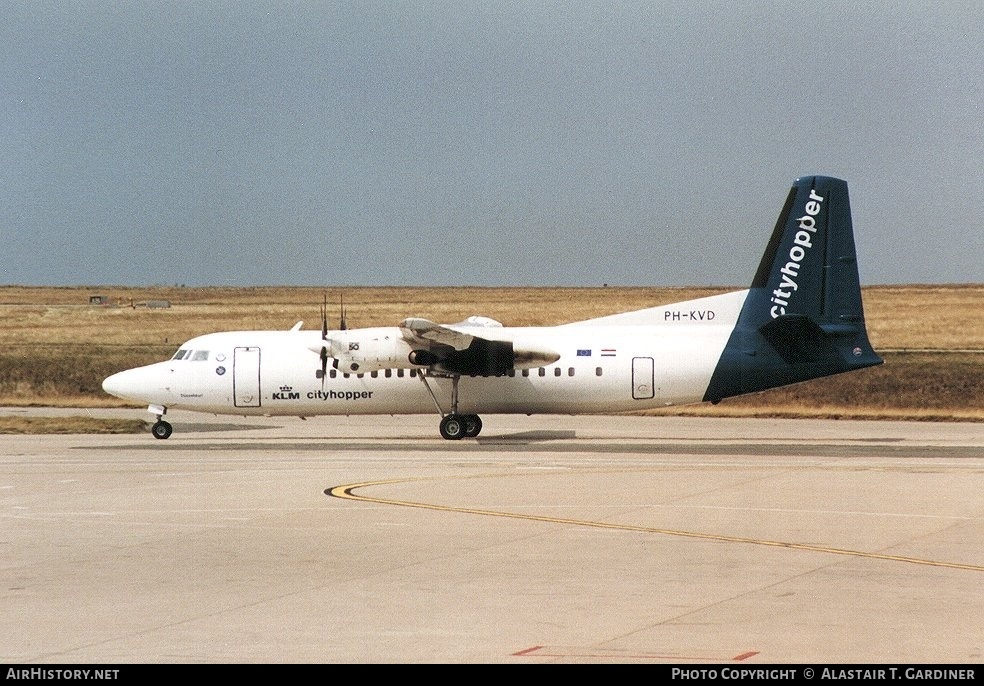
pixel 643 378
pixel 246 377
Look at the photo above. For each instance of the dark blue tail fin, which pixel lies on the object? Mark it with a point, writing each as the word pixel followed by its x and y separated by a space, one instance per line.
pixel 803 317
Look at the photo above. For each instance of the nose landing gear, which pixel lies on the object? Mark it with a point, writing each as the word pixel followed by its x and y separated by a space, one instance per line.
pixel 160 429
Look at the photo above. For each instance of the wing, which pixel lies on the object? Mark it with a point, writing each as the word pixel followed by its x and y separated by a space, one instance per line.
pixel 458 336
pixel 478 345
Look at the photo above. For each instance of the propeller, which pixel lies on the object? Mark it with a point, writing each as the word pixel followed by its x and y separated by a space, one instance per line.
pixel 343 325
pixel 324 339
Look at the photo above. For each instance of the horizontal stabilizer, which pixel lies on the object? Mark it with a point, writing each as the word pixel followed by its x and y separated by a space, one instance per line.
pixel 797 338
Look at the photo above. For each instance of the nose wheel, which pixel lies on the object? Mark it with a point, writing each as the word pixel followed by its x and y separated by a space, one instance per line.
pixel 161 429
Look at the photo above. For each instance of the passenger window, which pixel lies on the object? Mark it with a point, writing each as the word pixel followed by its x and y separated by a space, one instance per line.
pixel 399 373
pixel 333 373
pixel 556 371
pixel 374 374
pixel 389 373
pixel 597 371
pixel 543 371
pixel 570 371
pixel 526 372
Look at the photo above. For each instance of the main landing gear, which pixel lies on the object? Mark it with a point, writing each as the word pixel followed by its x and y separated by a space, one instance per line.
pixel 455 426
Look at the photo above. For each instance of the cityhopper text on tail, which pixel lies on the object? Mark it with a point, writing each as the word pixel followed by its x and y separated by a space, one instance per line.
pixel 800 319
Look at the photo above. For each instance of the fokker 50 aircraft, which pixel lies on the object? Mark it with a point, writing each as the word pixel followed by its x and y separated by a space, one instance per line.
pixel 801 319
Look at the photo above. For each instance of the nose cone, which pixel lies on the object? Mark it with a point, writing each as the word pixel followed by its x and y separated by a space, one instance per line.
pixel 122 384
pixel 142 384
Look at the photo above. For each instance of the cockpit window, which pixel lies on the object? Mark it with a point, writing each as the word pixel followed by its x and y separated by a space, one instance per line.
pixel 191 355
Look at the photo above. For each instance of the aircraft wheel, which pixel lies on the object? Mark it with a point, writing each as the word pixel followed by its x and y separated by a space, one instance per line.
pixel 453 427
pixel 473 425
pixel 161 429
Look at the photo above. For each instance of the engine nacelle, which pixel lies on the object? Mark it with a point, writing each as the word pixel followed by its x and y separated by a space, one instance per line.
pixel 360 351
pixel 532 356
pixel 494 358
pixel 423 358
pixel 368 350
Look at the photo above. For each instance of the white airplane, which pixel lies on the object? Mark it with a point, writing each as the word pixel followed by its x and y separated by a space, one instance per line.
pixel 801 319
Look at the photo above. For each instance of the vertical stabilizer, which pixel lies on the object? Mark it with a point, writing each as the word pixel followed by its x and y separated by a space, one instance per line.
pixel 803 317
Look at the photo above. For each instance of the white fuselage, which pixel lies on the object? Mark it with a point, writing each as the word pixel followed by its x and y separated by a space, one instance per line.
pixel 643 359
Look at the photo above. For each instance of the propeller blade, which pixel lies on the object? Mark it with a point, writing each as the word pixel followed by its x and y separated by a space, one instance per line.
pixel 324 318
pixel 343 325
pixel 324 337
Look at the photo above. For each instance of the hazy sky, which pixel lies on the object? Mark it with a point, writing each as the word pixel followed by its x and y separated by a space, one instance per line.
pixel 480 143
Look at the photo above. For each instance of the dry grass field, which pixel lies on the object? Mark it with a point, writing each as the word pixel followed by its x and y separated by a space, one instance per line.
pixel 56 347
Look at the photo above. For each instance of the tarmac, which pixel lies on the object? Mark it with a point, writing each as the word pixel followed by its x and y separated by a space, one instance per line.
pixel 549 539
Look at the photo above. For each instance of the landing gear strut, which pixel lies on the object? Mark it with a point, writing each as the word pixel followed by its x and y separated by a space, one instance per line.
pixel 455 426
pixel 160 429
